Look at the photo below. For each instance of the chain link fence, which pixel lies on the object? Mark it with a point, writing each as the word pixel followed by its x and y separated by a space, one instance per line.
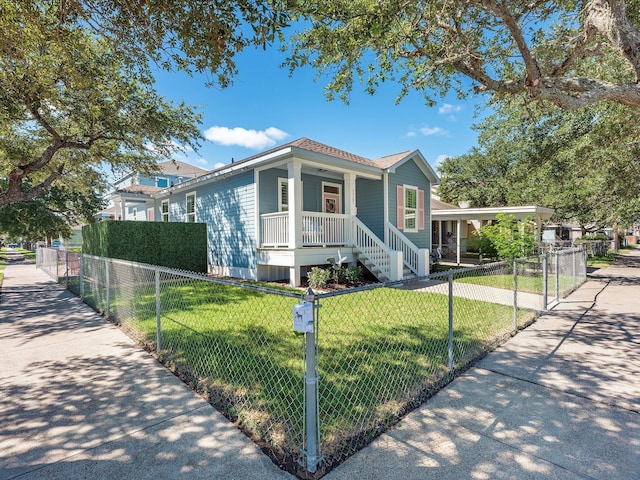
pixel 373 353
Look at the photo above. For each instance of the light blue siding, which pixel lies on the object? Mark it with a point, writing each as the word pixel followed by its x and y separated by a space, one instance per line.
pixel 370 203
pixel 269 189
pixel 311 190
pixel 410 174
pixel 228 209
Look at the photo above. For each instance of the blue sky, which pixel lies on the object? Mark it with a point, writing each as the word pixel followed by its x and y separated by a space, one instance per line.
pixel 265 107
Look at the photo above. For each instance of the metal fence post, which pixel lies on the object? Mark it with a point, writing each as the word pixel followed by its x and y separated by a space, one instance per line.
pixel 545 282
pixel 158 331
pixel 311 400
pixel 574 274
pixel 451 323
pixel 80 276
pixel 106 275
pixel 515 295
pixel 66 264
pixel 557 292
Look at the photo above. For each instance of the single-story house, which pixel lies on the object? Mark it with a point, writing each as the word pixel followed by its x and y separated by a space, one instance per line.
pixel 274 215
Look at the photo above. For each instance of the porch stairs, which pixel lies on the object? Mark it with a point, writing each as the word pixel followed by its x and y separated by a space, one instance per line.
pixel 399 260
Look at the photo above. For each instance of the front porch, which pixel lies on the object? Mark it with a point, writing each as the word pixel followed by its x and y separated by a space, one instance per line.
pixel 339 236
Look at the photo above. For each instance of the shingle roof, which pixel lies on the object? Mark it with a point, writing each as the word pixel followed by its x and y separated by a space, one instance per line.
pixel 175 167
pixel 391 160
pixel 146 189
pixel 440 205
pixel 312 146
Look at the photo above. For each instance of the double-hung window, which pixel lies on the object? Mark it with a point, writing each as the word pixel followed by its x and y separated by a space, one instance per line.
pixel 410 202
pixel 191 208
pixel 164 210
pixel 410 209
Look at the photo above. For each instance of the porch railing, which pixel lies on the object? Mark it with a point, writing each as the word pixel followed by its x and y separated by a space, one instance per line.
pixel 275 229
pixel 414 258
pixel 318 229
pixel 325 229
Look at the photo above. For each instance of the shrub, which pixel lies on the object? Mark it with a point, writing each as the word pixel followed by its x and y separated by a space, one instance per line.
pixel 352 274
pixel 319 277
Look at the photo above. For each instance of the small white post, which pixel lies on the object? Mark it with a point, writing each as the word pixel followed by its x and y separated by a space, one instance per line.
pixel 395 266
pixel 423 262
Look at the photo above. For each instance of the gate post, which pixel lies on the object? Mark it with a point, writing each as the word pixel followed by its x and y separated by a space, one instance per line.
pixel 545 282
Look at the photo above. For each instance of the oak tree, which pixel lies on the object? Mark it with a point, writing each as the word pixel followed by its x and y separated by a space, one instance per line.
pixel 570 53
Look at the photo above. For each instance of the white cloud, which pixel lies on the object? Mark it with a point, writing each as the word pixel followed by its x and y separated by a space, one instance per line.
pixel 430 131
pixel 254 139
pixel 411 134
pixel 219 165
pixel 448 108
pixel 201 161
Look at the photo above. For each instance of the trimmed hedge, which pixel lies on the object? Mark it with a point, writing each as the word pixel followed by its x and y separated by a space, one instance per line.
pixel 174 245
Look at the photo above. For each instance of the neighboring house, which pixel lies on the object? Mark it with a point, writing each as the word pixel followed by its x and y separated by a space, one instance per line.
pixel 453 226
pixel 131 198
pixel 275 215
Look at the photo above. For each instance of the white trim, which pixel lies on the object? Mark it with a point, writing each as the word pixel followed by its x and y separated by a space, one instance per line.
pixel 489 213
pixel 256 210
pixel 415 209
pixel 166 179
pixel 337 196
pixel 283 181
pixel 385 208
pixel 162 213
pixel 186 208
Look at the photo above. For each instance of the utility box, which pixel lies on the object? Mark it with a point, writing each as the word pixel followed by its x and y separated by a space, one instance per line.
pixel 303 317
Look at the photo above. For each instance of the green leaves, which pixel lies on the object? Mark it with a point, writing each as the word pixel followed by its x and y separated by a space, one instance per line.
pixel 569 53
pixel 511 239
pixel 584 164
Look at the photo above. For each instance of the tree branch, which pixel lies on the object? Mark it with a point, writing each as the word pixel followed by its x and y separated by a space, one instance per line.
pixel 609 18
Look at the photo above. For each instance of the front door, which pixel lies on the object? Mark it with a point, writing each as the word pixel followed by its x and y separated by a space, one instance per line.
pixel 331 197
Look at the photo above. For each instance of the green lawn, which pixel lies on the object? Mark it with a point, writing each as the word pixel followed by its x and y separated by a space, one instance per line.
pixel 380 350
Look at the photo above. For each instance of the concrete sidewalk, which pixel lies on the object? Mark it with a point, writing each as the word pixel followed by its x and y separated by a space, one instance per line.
pixel 78 399
pixel 561 400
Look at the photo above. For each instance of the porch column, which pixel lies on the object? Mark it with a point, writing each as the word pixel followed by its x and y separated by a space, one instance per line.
pixel 123 209
pixel 538 235
pixel 294 169
pixel 350 207
pixel 458 234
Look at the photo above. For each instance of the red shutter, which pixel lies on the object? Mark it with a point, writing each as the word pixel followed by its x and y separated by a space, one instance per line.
pixel 400 205
pixel 420 209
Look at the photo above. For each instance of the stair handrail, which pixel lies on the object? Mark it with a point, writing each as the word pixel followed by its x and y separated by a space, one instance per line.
pixel 365 240
pixel 412 256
